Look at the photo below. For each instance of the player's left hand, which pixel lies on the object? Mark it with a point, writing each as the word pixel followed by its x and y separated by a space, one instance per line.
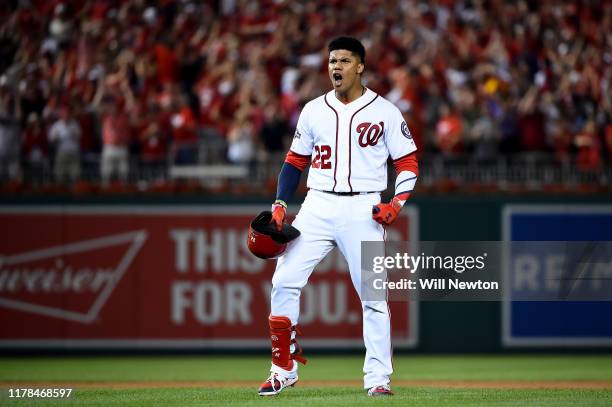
pixel 386 213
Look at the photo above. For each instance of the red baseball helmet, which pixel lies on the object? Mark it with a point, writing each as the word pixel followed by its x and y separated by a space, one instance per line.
pixel 265 241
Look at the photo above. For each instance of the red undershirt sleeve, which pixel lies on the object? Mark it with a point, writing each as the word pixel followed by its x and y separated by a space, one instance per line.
pixel 298 161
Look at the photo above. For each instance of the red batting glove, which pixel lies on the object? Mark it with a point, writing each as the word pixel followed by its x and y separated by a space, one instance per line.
pixel 385 213
pixel 278 214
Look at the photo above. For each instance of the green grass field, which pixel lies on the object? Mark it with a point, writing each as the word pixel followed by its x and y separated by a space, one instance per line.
pixel 325 381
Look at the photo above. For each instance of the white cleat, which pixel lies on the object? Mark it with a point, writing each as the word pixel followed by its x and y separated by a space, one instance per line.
pixel 275 384
pixel 378 391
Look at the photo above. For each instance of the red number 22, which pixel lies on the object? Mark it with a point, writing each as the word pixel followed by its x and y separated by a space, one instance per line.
pixel 323 154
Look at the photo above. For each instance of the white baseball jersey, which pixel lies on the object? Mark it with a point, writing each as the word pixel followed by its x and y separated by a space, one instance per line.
pixel 349 144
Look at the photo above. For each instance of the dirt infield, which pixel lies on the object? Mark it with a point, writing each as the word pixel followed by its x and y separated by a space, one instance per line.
pixel 456 384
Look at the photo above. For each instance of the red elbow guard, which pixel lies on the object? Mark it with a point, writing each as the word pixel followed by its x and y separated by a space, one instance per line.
pixel 407 163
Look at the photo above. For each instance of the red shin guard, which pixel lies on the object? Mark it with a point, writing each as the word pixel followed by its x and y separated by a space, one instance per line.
pixel 280 336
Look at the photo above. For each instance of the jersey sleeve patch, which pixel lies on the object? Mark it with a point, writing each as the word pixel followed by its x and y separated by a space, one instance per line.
pixel 405 130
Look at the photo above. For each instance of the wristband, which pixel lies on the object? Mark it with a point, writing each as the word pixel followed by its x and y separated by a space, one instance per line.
pixel 281 203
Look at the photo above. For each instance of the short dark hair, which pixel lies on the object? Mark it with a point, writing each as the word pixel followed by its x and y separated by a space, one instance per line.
pixel 350 44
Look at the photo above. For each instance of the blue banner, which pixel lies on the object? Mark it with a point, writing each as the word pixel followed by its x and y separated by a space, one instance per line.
pixel 562 323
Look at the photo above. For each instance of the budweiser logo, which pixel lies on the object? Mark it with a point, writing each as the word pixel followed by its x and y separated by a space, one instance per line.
pixel 71 281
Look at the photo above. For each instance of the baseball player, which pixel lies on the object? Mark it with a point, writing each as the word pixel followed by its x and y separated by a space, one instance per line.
pixel 346 136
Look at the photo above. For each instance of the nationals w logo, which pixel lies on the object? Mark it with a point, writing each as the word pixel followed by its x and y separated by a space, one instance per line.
pixel 369 133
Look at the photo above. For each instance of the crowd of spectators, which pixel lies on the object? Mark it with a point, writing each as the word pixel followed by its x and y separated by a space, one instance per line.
pixel 113 82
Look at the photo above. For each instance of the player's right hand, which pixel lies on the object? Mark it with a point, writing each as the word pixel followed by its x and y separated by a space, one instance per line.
pixel 279 208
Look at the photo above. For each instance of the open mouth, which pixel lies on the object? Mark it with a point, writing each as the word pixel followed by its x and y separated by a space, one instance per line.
pixel 337 79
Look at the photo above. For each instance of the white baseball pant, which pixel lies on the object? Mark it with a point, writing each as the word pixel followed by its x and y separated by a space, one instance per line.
pixel 326 220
